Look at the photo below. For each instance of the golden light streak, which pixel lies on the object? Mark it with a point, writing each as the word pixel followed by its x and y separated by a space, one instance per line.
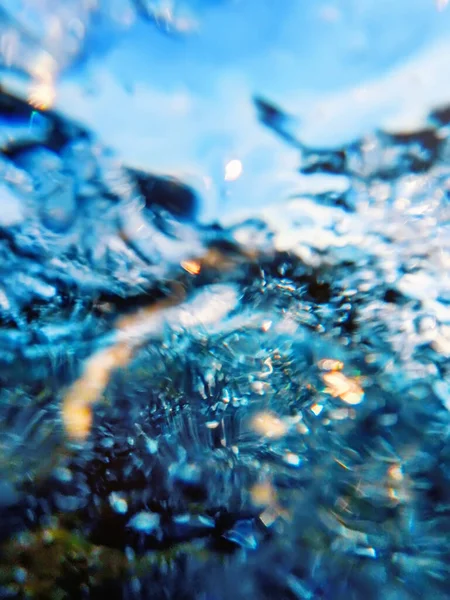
pixel 42 96
pixel 135 328
pixel 191 266
pixel 87 390
pixel 42 91
pixel 78 402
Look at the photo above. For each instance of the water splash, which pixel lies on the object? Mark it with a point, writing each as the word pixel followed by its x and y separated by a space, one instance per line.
pixel 263 402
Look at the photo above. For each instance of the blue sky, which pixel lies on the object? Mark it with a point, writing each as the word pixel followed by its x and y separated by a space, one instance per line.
pixel 182 105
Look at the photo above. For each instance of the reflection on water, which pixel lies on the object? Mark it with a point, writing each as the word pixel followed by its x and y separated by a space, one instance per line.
pixel 252 408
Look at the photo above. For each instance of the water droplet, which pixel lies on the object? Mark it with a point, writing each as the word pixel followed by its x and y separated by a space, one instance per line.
pixel 151 445
pixel 292 459
pixel 233 170
pixel 144 522
pixel 63 474
pixel 118 503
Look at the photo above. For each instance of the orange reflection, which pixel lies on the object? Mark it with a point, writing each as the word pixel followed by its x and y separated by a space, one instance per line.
pixel 269 425
pixel 42 95
pixel 339 385
pixel 191 266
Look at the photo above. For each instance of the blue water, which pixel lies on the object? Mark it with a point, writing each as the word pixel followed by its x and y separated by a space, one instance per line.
pixel 224 299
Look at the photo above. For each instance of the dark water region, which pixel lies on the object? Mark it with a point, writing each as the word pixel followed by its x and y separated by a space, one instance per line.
pixel 256 408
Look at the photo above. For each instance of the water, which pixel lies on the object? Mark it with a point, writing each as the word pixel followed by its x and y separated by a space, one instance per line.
pixel 228 380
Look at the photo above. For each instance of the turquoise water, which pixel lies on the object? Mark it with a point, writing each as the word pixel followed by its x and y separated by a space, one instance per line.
pixel 224 299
